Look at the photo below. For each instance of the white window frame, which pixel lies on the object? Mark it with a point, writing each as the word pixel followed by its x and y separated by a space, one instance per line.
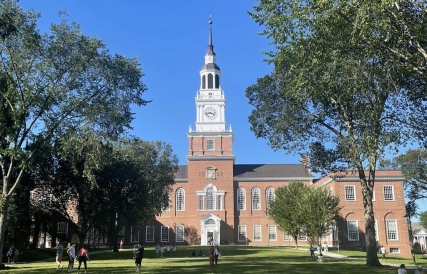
pixel 242 236
pixel 241 199
pixel 180 232
pixel 210 144
pixel 257 229
pixel 180 205
pixel 210 198
pixel 347 193
pixel 201 202
pixel 164 234
pixel 272 233
pixel 388 196
pixel 394 250
pixel 392 229
pixel 134 234
pixel 270 195
pixel 353 230
pixel 255 193
pixel 219 202
pixel 62 228
pixel 149 231
pixel 287 237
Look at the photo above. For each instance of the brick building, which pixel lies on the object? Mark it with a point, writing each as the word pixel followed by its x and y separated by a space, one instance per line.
pixel 215 198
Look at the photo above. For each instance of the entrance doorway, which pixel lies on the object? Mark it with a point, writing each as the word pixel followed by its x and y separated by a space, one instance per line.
pixel 210 236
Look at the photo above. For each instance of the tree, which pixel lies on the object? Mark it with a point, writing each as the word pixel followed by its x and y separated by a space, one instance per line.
pixel 300 209
pixel 50 83
pixel 423 218
pixel 348 84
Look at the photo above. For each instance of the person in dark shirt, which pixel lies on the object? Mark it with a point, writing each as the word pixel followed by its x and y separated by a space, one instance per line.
pixel 139 254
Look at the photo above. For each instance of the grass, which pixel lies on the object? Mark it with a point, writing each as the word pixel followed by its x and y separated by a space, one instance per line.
pixel 234 259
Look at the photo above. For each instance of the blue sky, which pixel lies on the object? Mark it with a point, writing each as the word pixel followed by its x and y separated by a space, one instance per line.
pixel 170 38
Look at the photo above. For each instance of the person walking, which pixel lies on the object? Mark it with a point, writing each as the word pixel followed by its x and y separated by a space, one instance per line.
pixel 9 255
pixel 162 250
pixel 383 251
pixel 139 254
pixel 168 250
pixel 59 253
pixel 312 253
pixel 71 256
pixel 216 254
pixel 174 250
pixel 402 269
pixel 121 244
pixel 157 248
pixel 16 256
pixel 211 256
pixel 83 257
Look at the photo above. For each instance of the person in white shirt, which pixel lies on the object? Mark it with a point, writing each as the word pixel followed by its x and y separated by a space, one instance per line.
pixel 71 256
pixel 383 251
pixel 402 269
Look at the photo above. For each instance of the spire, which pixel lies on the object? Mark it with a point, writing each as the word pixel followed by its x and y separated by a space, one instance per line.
pixel 210 46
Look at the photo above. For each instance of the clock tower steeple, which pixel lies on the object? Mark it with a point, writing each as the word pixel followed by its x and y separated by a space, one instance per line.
pixel 210 128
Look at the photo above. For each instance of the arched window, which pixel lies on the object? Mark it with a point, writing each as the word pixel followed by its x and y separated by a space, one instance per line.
pixel 204 81
pixel 210 80
pixel 210 222
pixel 210 199
pixel 241 199
pixel 216 81
pixel 256 199
pixel 269 195
pixel 180 199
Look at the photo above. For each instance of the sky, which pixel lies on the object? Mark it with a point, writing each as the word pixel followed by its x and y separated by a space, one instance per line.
pixel 170 38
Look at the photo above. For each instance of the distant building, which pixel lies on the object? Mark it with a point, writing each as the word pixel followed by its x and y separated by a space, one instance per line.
pixel 420 235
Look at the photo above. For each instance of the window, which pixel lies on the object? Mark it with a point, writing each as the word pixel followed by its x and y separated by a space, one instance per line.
pixel 256 200
pixel 272 233
pixel 165 234
pixel 242 233
pixel 210 80
pixel 376 231
pixel 216 81
pixel 350 194
pixel 180 233
pixel 210 202
pixel 134 232
pixel 210 145
pixel 203 81
pixel 388 193
pixel 391 226
pixel 269 195
pixel 353 230
pixel 219 202
pixel 302 237
pixel 257 233
pixel 287 237
pixel 394 250
pixel 149 234
pixel 201 200
pixel 241 199
pixel 62 228
pixel 180 199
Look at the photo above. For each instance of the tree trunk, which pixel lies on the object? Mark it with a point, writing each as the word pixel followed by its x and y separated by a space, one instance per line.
pixel 3 221
pixel 36 231
pixel 367 191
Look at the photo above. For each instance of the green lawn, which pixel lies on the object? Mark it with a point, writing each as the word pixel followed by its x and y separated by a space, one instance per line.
pixel 234 259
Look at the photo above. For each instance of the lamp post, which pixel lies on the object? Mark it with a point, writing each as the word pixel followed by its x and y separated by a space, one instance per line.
pixel 268 236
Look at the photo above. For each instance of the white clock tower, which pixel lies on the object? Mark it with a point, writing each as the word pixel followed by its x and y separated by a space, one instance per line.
pixel 210 105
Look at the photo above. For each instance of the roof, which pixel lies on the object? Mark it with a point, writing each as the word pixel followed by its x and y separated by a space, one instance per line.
pixel 210 66
pixel 417 228
pixel 271 172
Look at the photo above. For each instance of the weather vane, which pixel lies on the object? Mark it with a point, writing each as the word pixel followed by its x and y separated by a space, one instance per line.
pixel 210 19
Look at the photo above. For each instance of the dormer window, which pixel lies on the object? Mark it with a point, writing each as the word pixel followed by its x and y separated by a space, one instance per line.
pixel 210 81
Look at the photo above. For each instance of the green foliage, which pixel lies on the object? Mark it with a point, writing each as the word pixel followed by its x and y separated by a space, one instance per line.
pixel 414 168
pixel 423 218
pixel 417 248
pixel 349 83
pixel 299 209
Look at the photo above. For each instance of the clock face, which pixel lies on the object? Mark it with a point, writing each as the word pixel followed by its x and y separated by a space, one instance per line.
pixel 210 112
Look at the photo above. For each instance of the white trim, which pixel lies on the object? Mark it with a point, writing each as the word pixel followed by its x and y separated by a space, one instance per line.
pixel 260 233
pixel 355 224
